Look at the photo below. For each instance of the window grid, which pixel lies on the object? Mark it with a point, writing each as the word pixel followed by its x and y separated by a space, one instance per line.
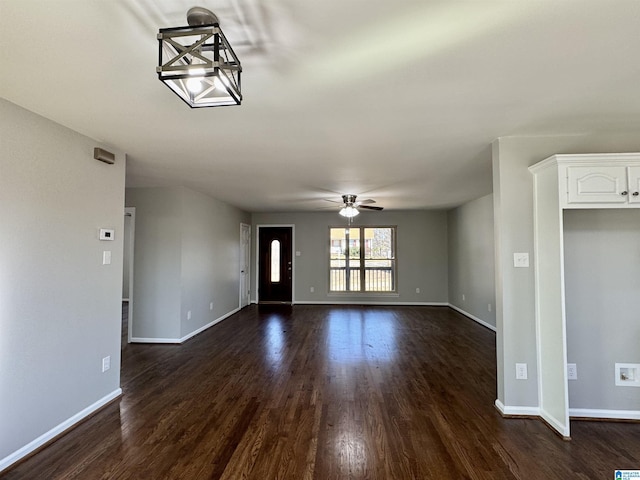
pixel 362 259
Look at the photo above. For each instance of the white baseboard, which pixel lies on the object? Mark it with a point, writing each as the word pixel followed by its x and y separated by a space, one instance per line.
pixel 558 425
pixel 154 340
pixel 358 302
pixel 57 430
pixel 187 336
pixel 472 317
pixel 208 325
pixel 604 414
pixel 516 410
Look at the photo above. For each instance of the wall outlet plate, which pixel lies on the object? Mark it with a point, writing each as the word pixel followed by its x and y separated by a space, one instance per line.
pixel 572 371
pixel 521 371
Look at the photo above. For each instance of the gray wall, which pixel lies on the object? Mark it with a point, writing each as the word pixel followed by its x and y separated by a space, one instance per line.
pixel 60 310
pixel 210 259
pixel 186 256
pixel 602 286
pixel 422 254
pixel 513 218
pixel 471 259
pixel 156 262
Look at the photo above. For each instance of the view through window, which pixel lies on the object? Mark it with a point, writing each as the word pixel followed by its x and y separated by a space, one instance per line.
pixel 362 259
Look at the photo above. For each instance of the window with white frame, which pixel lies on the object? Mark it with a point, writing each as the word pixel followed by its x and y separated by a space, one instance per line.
pixel 362 259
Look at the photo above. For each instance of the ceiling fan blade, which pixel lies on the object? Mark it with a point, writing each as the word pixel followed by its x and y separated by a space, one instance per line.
pixel 333 201
pixel 365 201
pixel 369 207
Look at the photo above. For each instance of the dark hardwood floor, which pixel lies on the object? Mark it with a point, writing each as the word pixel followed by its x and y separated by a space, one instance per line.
pixel 318 392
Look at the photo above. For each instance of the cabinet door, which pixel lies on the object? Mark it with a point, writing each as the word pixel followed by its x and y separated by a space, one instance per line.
pixel 597 184
pixel 634 184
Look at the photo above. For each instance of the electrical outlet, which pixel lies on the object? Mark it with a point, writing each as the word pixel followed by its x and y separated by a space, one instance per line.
pixel 106 363
pixel 312 289
pixel 463 298
pixel 417 290
pixel 189 315
pixel 489 307
pixel 521 371
pixel 211 306
pixel 572 371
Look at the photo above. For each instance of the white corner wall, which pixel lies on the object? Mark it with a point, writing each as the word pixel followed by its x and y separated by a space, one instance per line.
pixel 60 308
pixel 471 260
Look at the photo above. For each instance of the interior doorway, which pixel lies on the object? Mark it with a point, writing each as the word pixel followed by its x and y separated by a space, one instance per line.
pixel 127 271
pixel 245 262
pixel 275 264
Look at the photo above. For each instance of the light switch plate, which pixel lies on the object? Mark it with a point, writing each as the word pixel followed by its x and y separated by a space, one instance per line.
pixel 106 363
pixel 521 260
pixel 106 257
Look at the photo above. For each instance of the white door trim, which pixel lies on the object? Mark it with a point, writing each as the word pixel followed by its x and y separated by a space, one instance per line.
pixel 131 212
pixel 243 300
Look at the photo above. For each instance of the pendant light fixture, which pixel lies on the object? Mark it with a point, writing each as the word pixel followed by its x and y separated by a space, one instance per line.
pixel 197 62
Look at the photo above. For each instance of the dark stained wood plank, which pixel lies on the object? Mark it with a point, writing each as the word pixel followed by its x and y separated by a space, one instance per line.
pixel 324 392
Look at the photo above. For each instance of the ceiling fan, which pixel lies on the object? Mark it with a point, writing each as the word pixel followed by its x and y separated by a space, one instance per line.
pixel 351 206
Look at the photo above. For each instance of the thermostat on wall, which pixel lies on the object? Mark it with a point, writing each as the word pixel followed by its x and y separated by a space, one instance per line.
pixel 107 234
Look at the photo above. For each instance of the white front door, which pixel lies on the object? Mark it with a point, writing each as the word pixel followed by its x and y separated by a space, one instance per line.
pixel 245 255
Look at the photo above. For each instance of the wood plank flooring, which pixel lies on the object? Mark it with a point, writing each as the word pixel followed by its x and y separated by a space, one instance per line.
pixel 321 392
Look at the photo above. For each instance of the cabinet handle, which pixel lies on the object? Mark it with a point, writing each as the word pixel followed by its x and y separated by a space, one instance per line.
pixel 635 194
pixel 624 193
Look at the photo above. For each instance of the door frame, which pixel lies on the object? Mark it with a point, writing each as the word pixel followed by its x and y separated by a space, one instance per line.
pixel 293 258
pixel 130 212
pixel 248 261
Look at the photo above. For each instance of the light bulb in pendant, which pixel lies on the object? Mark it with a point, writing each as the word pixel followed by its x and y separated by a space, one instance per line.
pixel 194 82
pixel 194 85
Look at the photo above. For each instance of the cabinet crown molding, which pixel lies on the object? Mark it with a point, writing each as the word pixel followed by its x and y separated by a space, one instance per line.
pixel 587 159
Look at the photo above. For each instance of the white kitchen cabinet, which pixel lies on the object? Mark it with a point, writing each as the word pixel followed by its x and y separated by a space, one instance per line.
pixel 597 184
pixel 604 184
pixel 609 180
pixel 634 184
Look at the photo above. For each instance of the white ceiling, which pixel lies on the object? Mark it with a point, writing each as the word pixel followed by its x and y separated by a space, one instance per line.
pixel 393 100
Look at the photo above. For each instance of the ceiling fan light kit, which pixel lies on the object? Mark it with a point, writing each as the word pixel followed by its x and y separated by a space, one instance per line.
pixel 351 206
pixel 349 211
pixel 197 62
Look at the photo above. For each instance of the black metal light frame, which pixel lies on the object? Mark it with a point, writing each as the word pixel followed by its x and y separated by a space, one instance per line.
pixel 199 54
